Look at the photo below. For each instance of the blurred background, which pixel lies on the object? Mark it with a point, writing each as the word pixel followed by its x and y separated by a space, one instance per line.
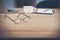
pixel 10 4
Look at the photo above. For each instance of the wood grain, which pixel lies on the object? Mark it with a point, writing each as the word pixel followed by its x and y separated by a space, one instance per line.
pixel 39 26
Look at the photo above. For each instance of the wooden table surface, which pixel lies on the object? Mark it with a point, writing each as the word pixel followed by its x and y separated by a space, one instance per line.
pixel 39 26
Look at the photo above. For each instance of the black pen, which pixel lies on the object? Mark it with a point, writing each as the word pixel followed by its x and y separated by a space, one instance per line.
pixel 45 10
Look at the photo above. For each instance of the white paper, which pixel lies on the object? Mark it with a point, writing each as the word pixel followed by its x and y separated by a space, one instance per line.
pixel 45 11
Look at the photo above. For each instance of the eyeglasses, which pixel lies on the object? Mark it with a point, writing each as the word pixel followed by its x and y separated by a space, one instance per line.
pixel 18 20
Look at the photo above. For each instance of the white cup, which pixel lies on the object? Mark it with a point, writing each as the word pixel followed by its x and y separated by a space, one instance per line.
pixel 28 9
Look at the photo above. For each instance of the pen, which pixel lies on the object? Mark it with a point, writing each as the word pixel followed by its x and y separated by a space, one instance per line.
pixel 45 10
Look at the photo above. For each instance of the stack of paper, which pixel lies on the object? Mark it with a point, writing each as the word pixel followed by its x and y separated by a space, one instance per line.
pixel 45 11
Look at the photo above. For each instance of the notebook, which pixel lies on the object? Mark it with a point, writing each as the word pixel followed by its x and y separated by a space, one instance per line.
pixel 45 11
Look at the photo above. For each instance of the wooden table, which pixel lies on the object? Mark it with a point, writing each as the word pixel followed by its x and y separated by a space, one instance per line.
pixel 39 26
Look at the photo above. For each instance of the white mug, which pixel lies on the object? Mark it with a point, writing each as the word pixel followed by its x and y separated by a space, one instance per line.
pixel 28 9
